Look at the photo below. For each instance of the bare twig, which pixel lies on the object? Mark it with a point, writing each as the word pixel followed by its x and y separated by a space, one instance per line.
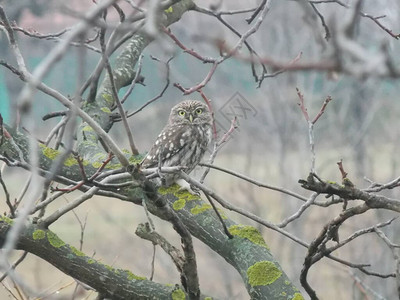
pixel 211 110
pixel 145 232
pixel 14 265
pixel 255 182
pixel 230 236
pixel 218 145
pixel 134 81
pixel 162 91
pixel 10 206
pixel 134 150
pixel 297 215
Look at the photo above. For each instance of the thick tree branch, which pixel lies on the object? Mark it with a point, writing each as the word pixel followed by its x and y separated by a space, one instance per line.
pixel 108 281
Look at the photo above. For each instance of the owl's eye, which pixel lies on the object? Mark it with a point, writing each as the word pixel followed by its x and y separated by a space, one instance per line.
pixel 199 111
pixel 181 113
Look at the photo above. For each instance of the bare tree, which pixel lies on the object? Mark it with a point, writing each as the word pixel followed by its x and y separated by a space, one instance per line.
pixel 79 157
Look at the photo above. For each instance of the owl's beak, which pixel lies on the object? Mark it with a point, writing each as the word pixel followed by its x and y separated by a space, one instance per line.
pixel 190 118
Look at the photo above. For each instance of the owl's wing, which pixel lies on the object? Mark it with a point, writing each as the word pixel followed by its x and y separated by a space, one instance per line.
pixel 169 143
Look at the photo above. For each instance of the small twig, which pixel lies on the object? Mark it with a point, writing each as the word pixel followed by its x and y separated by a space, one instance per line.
pixel 256 12
pixel 341 169
pixel 322 110
pixel 54 114
pixel 162 91
pixel 200 85
pixel 145 232
pixel 311 124
pixel 230 236
pixel 302 105
pixel 395 252
pixel 377 187
pixel 85 179
pixel 122 113
pixel 10 206
pixel 321 17
pixel 297 215
pixel 134 81
pixel 82 225
pixel 14 265
pixel 187 50
pixel 255 182
pixel 211 110
pixel 153 259
pixel 218 145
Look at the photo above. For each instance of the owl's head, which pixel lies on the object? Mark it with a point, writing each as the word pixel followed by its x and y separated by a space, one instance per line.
pixel 191 112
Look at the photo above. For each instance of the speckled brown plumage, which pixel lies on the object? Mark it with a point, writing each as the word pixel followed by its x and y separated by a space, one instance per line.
pixel 184 139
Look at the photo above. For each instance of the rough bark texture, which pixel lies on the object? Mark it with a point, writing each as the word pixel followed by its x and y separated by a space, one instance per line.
pixel 108 281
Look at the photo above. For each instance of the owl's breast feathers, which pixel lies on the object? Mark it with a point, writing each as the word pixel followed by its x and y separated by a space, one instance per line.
pixel 179 145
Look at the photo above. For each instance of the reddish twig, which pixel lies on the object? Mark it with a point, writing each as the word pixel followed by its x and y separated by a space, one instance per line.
pixel 218 145
pixel 311 124
pixel 341 169
pixel 187 50
pixel 280 71
pixel 85 179
pixel 227 134
pixel 322 110
pixel 302 106
pixel 208 102
pixel 304 109
pixel 201 84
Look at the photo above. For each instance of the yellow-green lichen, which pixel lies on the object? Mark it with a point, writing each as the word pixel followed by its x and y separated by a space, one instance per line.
pixel 248 232
pixel 263 273
pixel 52 154
pixel 178 294
pixel 70 161
pixel 108 98
pixel 135 159
pixel 283 294
pixel 179 204
pixel 287 282
pixel 169 10
pixel 132 276
pixel 49 152
pixel 297 296
pixel 109 268
pixel 54 240
pixel 87 128
pixel 198 209
pixel 208 298
pixel 91 261
pixel 178 192
pixel 113 166
pixel 106 110
pixel 76 251
pixel 39 234
pixel 6 220
pixel 168 190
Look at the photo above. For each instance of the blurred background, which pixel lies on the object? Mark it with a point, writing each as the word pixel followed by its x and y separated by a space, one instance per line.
pixel 271 145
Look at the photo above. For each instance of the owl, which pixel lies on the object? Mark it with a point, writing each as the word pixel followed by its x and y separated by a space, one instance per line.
pixel 183 141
